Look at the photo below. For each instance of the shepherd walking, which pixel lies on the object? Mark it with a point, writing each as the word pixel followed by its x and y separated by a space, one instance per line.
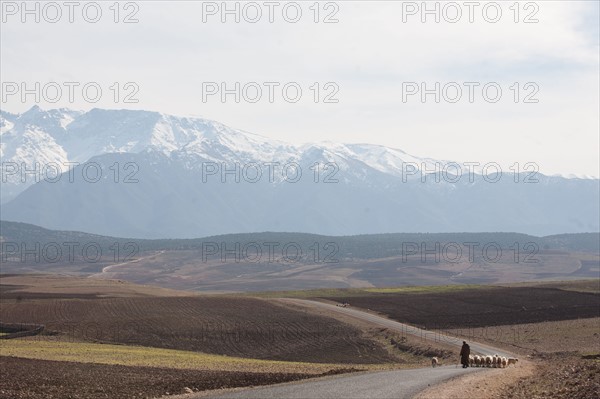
pixel 465 351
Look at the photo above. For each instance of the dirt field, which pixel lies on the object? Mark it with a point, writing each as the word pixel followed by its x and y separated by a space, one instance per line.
pixel 241 327
pixel 555 327
pixel 558 359
pixel 43 348
pixel 582 335
pixel 382 265
pixel 26 378
pixel 589 285
pixel 83 317
pixel 408 350
pixel 40 286
pixel 559 376
pixel 549 322
pixel 488 385
pixel 565 355
pixel 485 307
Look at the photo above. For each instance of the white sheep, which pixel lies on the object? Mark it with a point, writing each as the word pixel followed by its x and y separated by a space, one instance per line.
pixel 471 360
pixel 434 362
pixel 496 361
pixel 488 361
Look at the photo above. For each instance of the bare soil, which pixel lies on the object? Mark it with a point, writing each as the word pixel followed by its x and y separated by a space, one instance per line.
pixel 558 360
pixel 233 326
pixel 488 384
pixel 556 376
pixel 555 327
pixel 484 307
pixel 559 376
pixel 28 379
pixel 581 335
pixel 407 350
pixel 40 286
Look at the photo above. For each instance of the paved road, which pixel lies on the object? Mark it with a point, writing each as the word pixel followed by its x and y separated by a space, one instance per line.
pixel 397 384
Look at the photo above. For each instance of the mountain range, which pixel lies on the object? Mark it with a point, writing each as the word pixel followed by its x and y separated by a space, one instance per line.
pixel 150 175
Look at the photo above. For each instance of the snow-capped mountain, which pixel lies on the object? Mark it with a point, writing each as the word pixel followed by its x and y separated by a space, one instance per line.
pixel 147 174
pixel 66 137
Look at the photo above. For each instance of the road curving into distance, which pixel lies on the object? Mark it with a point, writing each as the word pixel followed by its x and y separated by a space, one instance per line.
pixel 401 327
pixel 394 384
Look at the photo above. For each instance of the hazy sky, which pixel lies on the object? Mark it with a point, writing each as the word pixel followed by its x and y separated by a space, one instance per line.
pixel 370 54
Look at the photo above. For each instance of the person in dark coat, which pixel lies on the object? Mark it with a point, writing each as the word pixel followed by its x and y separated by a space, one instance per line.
pixel 465 351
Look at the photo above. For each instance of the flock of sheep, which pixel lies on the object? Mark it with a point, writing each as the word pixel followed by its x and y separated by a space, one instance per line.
pixel 484 361
pixel 491 361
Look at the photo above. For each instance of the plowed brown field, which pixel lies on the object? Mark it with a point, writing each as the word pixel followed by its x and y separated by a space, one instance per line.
pixel 241 327
pixel 28 379
pixel 482 307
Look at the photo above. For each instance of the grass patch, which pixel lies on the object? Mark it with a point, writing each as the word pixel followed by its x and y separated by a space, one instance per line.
pixel 358 292
pixel 430 289
pixel 590 286
pixel 46 349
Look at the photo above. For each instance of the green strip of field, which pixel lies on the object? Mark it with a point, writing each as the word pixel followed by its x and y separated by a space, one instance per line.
pixel 36 348
pixel 588 285
pixel 353 292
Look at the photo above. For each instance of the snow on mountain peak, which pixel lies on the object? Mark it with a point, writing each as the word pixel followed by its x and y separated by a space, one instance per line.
pixel 83 135
pixel 64 135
